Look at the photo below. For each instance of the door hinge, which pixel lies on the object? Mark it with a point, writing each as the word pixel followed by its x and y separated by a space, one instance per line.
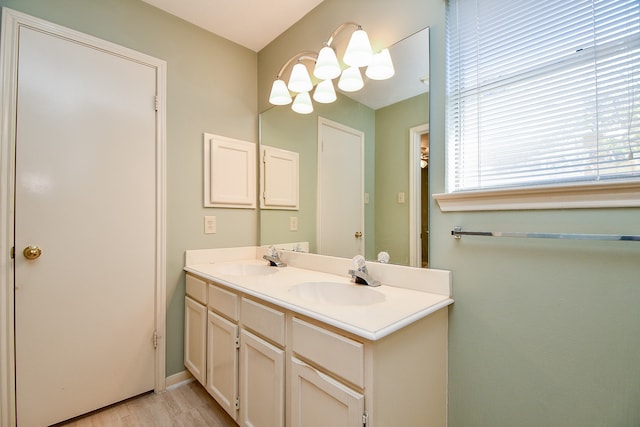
pixel 13 252
pixel 237 342
pixel 156 103
pixel 155 340
pixel 365 419
pixel 237 404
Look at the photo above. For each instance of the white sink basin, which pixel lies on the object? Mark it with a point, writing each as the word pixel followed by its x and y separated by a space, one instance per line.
pixel 337 293
pixel 244 269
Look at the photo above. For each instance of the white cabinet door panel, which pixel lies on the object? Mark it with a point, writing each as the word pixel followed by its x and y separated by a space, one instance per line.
pixel 262 382
pixel 319 401
pixel 195 338
pixel 222 362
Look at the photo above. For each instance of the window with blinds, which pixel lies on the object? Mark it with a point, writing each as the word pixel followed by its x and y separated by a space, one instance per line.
pixel 542 92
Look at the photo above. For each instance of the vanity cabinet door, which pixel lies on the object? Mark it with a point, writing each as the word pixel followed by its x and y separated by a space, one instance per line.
pixel 261 382
pixel 195 338
pixel 222 362
pixel 318 400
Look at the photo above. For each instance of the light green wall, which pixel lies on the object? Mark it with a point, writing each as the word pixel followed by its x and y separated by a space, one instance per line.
pixel 392 150
pixel 282 128
pixel 542 333
pixel 211 87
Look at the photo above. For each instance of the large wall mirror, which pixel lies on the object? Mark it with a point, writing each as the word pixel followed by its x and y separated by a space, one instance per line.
pixel 391 181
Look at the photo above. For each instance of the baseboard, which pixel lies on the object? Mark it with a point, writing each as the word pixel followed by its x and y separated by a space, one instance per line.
pixel 179 379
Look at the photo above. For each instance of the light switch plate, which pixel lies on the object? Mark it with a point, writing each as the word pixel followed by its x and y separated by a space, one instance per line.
pixel 209 224
pixel 401 197
pixel 293 223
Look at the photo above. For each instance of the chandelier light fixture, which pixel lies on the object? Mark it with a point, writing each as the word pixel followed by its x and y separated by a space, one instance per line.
pixel 326 68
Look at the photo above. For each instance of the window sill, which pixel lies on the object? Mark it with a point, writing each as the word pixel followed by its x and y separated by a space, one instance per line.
pixel 581 196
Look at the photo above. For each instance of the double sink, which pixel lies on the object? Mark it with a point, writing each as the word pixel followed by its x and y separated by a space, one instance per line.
pixel 327 292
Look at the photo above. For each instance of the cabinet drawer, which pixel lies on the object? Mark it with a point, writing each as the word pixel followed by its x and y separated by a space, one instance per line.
pixel 224 302
pixel 336 353
pixel 197 289
pixel 263 320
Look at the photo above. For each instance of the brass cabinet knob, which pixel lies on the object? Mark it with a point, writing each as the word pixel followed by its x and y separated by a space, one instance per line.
pixel 32 252
pixel 358 234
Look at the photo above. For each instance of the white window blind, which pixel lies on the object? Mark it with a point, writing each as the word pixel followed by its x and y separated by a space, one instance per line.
pixel 542 92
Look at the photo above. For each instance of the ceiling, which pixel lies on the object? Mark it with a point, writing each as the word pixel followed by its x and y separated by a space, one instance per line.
pixel 241 21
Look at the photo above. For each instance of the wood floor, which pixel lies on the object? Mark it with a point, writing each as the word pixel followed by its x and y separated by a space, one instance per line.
pixel 185 405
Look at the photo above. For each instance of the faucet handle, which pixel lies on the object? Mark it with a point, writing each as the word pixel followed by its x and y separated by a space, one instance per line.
pixel 383 257
pixel 359 263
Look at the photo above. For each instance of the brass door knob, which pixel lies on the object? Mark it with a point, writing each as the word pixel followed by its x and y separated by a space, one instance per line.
pixel 32 252
pixel 358 234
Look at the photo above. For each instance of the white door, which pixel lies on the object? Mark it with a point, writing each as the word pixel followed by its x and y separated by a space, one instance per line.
pixel 85 194
pixel 340 190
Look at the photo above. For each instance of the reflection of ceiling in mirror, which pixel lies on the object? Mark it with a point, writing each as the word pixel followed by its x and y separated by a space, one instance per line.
pixel 411 61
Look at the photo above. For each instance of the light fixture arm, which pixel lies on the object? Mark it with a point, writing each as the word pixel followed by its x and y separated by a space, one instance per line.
pixel 297 57
pixel 340 28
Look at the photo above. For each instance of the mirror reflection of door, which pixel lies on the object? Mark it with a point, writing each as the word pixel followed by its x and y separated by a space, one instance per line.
pixel 424 200
pixel 419 196
pixel 340 225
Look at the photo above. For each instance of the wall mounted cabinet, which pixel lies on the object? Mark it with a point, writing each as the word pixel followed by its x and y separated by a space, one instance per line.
pixel 229 172
pixel 279 179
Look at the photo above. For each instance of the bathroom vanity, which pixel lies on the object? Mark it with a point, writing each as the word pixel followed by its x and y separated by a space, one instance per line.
pixel 302 345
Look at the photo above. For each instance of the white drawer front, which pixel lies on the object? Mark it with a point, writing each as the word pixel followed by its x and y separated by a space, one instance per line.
pixel 336 353
pixel 263 320
pixel 197 289
pixel 224 302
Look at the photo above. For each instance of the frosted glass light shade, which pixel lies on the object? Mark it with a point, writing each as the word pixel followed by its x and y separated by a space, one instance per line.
pixel 358 53
pixel 302 103
pixel 300 80
pixel 279 93
pixel 351 80
pixel 381 67
pixel 325 93
pixel 327 65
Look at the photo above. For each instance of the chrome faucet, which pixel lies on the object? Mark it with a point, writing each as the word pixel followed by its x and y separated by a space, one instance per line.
pixel 360 274
pixel 274 258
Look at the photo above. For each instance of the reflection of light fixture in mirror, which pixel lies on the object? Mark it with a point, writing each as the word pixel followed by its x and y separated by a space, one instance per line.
pixel 325 93
pixel 327 67
pixel 351 80
pixel 302 103
pixel 381 67
pixel 424 157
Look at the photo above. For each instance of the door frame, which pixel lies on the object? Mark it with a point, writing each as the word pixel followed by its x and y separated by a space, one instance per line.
pixel 415 195
pixel 12 21
pixel 322 122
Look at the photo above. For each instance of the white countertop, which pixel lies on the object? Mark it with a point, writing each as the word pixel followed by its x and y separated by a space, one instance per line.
pixel 369 312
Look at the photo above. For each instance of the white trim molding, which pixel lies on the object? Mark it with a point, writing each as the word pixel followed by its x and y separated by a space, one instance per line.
pixel 576 196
